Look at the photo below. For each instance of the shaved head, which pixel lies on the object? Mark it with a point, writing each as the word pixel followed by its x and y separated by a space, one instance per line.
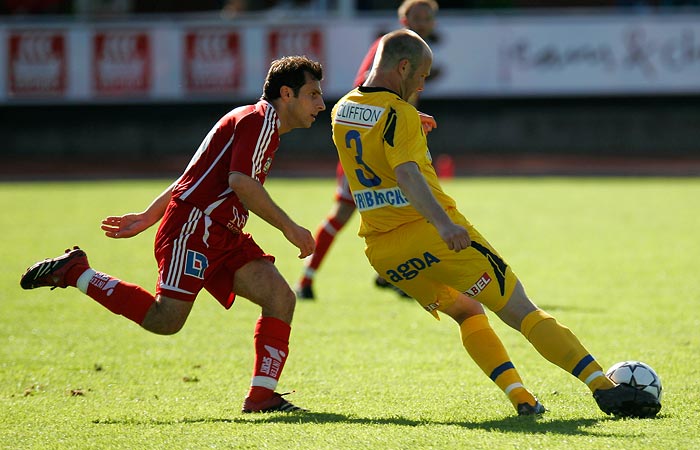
pixel 399 45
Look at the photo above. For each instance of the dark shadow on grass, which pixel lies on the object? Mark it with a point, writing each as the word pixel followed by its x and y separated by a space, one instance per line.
pixel 513 424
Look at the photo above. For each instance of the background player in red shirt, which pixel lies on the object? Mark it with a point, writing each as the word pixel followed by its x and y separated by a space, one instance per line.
pixel 200 242
pixel 416 15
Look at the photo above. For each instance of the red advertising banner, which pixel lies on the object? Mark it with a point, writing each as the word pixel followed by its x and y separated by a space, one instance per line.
pixel 296 41
pixel 37 62
pixel 213 61
pixel 122 62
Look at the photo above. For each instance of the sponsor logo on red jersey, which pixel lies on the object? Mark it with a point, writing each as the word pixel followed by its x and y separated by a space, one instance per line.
pixel 36 63
pixel 122 62
pixel 213 61
pixel 267 165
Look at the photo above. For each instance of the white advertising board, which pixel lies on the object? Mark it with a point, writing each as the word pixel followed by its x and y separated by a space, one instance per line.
pixel 571 56
pixel 497 56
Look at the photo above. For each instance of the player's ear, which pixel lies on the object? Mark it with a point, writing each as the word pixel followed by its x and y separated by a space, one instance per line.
pixel 404 67
pixel 286 92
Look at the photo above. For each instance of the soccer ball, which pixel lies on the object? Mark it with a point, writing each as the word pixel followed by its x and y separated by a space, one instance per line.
pixel 638 375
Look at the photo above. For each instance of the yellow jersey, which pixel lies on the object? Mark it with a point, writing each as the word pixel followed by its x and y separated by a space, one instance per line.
pixel 374 130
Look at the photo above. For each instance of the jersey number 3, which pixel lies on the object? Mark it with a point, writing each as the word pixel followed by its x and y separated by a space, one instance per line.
pixel 365 174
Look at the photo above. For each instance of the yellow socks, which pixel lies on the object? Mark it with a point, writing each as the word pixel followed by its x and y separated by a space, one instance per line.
pixel 487 350
pixel 561 347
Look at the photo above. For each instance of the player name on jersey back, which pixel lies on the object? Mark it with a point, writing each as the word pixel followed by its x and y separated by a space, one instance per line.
pixel 354 114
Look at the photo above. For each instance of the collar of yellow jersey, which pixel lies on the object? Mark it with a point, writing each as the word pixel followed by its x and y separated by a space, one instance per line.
pixel 369 89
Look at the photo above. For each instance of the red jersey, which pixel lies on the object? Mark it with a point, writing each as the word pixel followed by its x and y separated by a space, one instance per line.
pixel 244 140
pixel 366 64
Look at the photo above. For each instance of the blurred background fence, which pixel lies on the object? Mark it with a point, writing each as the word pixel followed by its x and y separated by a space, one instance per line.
pixel 524 87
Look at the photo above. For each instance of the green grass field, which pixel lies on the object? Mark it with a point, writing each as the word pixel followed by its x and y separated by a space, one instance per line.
pixel 613 259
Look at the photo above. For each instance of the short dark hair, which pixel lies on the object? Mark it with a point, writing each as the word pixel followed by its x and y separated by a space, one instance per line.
pixel 290 71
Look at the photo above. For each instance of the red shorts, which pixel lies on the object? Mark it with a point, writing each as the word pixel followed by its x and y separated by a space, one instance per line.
pixel 342 191
pixel 194 252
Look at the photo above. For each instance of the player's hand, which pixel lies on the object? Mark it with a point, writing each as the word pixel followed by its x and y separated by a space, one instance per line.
pixel 455 236
pixel 302 239
pixel 427 122
pixel 125 226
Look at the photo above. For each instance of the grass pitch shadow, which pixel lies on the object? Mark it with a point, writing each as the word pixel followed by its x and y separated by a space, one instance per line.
pixel 513 424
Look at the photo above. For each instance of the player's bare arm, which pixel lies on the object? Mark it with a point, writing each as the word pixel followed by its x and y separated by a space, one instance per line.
pixel 257 200
pixel 131 224
pixel 414 186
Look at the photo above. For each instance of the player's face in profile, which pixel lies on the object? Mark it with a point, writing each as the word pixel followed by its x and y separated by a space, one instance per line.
pixel 306 106
pixel 415 82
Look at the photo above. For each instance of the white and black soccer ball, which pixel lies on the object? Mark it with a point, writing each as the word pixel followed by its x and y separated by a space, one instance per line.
pixel 638 375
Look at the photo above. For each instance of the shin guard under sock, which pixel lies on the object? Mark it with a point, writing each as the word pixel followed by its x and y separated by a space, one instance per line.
pixel 271 341
pixel 487 350
pixel 120 297
pixel 560 346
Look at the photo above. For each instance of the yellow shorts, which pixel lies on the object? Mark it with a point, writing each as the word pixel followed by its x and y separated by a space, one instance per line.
pixel 414 258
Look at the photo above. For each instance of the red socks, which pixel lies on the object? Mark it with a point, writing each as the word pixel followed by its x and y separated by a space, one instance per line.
pixel 271 337
pixel 120 297
pixel 271 341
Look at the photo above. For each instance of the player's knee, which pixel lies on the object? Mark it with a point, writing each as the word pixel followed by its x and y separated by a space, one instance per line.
pixel 287 299
pixel 167 316
pixel 516 309
pixel 172 328
pixel 463 308
pixel 164 328
pixel 279 301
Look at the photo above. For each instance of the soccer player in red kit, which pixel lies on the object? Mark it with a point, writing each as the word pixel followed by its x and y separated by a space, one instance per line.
pixel 201 243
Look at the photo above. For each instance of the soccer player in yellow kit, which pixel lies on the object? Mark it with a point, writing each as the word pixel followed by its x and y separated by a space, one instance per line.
pixel 418 240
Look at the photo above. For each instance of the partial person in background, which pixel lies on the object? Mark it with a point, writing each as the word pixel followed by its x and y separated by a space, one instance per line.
pixel 200 243
pixel 416 237
pixel 416 15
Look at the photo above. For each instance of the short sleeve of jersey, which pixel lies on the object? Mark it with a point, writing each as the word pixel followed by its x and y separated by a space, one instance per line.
pixel 404 140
